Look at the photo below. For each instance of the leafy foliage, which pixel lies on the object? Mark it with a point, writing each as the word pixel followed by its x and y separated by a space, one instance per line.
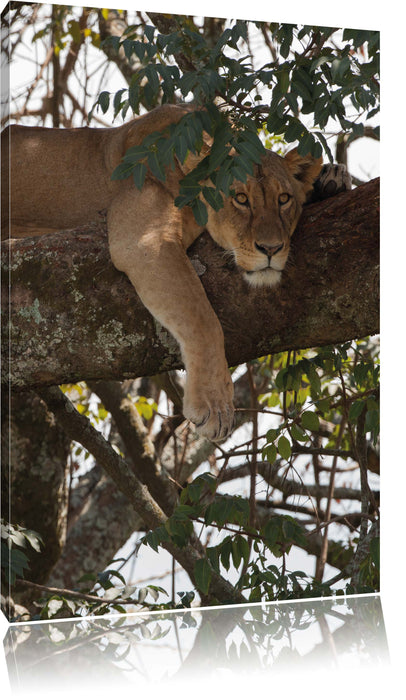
pixel 98 594
pixel 15 561
pixel 302 385
pixel 318 75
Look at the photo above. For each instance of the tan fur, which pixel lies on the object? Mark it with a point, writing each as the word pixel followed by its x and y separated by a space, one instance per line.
pixel 60 178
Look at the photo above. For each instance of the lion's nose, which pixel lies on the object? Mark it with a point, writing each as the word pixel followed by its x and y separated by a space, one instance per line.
pixel 269 250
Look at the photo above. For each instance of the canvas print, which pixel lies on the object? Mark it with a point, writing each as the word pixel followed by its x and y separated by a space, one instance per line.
pixel 190 351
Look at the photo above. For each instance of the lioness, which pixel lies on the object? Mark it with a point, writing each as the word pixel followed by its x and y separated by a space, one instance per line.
pixel 61 178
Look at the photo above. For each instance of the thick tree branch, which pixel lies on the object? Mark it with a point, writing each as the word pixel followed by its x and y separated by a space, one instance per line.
pixel 115 25
pixel 88 548
pixel 137 443
pixel 167 24
pixel 34 475
pixel 73 317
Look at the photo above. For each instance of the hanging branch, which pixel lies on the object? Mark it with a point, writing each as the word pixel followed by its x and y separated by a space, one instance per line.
pixel 79 428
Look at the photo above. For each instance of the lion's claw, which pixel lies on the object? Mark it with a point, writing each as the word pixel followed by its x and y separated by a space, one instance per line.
pixel 215 423
pixel 331 180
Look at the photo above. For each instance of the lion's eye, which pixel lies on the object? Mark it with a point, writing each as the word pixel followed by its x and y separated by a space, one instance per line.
pixel 241 198
pixel 284 198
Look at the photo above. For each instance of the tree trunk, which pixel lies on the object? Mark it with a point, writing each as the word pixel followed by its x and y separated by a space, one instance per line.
pixel 74 317
pixel 104 523
pixel 34 480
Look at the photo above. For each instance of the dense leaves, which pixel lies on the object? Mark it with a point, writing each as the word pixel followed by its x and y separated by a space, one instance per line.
pixel 15 561
pixel 319 75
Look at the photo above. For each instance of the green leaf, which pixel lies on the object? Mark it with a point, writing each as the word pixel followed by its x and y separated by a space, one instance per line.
pixel 139 175
pixel 283 80
pixel 276 124
pixel 155 590
pixel 104 577
pixel 213 554
pixel 13 562
pixel 272 434
pixel 188 82
pixel 139 48
pixel 310 420
pixel 149 32
pixel 252 140
pixel 375 551
pixel 287 36
pixel 294 130
pixel 193 492
pixel 117 101
pixel 356 409
pixel 282 378
pixel 236 553
pixel 213 198
pixel 272 531
pixel 224 177
pixel 306 144
pixel 179 528
pixel 152 76
pixel 242 166
pixel 325 145
pixel 152 539
pixel 372 420
pixel 134 94
pixel 243 548
pixel 226 549
pixel 314 379
pixel 298 434
pixel 371 404
pixel 122 171
pixel 200 212
pixel 221 146
pixel 202 572
pixel 155 165
pixel 104 101
pixel 284 447
pixel 269 453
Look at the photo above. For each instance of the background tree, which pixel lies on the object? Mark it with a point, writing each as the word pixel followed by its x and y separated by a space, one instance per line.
pixel 299 474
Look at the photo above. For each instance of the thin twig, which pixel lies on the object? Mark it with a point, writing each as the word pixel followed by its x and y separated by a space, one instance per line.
pixel 253 461
pixel 88 597
pixel 324 546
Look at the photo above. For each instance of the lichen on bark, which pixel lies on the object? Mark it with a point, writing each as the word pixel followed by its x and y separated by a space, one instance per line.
pixel 73 317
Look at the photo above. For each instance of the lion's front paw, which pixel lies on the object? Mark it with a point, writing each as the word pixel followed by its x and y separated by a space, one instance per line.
pixel 332 180
pixel 211 409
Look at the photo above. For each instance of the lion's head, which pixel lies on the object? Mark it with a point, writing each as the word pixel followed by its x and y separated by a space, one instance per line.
pixel 257 223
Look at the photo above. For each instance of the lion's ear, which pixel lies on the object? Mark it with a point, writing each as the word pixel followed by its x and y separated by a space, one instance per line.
pixel 303 168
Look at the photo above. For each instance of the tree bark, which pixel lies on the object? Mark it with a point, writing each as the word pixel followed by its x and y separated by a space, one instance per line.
pixel 105 522
pixel 34 477
pixel 72 316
